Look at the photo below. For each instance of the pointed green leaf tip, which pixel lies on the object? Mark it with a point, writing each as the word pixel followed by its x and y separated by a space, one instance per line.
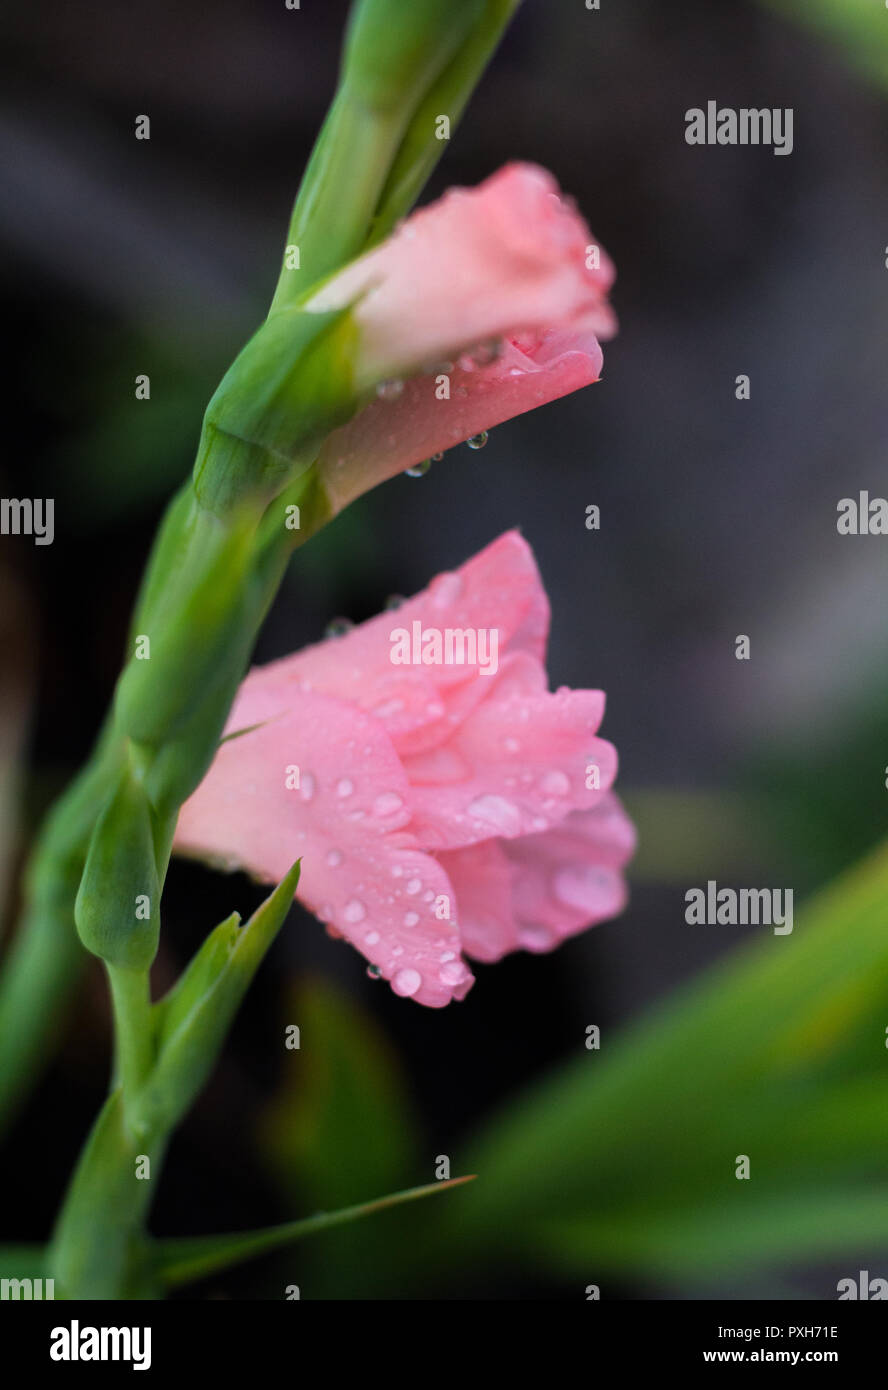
pixel 184 1260
pixel 191 1022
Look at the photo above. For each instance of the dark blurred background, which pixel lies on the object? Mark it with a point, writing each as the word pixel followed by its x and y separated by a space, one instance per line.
pixel 122 256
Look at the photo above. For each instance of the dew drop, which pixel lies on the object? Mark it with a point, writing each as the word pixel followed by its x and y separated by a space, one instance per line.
pixel 334 858
pixel 488 352
pixel 452 974
pixel 555 783
pixel 419 470
pixel 307 786
pixel 387 804
pixel 446 589
pixel 478 441
pixel 374 971
pixel 411 919
pixel 371 938
pixel 338 627
pixel 345 787
pixel 395 601
pixel 388 708
pixel 582 888
pixel 406 982
pixel 354 911
pixel 413 886
pixel 535 938
pixel 390 390
pixel 436 458
pixel 496 812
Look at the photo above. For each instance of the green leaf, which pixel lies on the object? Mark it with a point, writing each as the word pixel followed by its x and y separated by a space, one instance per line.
pixel 182 1261
pixel 23 1261
pixel 778 1053
pixel 708 1239
pixel 860 27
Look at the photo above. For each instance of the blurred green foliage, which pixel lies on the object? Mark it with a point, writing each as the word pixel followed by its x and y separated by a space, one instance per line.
pixel 860 27
pixel 626 1159
pixel 623 1163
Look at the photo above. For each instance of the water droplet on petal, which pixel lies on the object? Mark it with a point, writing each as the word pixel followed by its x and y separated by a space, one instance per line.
pixel 419 470
pixel 411 919
pixel 488 352
pixel 306 786
pixel 414 885
pixel 496 812
pixel 338 627
pixel 535 938
pixel 555 783
pixel 452 974
pixel 387 804
pixel 374 972
pixel 478 441
pixel 446 589
pixel 436 458
pixel 344 787
pixel 371 938
pixel 582 888
pixel 390 390
pixel 511 745
pixel 354 911
pixel 406 982
pixel 334 858
pixel 394 601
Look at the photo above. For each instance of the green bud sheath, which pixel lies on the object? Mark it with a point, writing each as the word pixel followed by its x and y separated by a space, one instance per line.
pixel 393 51
pixel 285 391
pixel 396 55
pixel 117 910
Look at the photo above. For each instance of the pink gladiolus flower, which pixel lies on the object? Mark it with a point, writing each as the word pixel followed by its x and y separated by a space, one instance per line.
pixel 501 289
pixel 442 808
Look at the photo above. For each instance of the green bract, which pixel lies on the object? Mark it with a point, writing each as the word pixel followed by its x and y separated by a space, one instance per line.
pixel 117 910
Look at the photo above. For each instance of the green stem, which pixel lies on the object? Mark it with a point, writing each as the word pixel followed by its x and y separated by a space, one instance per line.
pixel 131 1002
pixel 98 1249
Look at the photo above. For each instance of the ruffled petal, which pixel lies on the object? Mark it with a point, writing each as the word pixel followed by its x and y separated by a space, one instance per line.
pixel 535 891
pixel 526 762
pixel 363 872
pixel 499 588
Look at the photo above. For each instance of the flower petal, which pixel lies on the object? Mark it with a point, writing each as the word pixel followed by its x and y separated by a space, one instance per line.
pixel 526 758
pixel 419 706
pixel 388 437
pixel 362 871
pixel 535 891
pixel 480 263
